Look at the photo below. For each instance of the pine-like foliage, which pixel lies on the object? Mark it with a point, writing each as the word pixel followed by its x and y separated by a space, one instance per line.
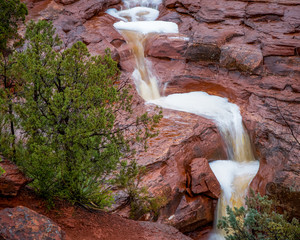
pixel 258 221
pixel 11 13
pixel 68 112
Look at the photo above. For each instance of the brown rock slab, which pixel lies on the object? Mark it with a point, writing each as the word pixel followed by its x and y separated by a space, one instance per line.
pixel 171 46
pixel 214 11
pixel 264 9
pixel 241 56
pixel 292 16
pixel 12 180
pixel 192 213
pixel 201 51
pixel 280 47
pixel 22 223
pixel 283 66
pixel 92 8
pixel 203 179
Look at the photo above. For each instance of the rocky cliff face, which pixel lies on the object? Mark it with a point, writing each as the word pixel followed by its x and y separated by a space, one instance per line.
pixel 247 51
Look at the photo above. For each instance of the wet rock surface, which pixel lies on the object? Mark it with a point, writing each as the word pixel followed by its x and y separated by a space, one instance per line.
pixel 22 223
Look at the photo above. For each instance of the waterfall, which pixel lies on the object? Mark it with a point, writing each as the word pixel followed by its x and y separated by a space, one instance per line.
pixel 235 174
pixel 136 25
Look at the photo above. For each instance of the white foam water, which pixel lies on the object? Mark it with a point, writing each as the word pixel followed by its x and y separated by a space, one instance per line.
pixel 146 27
pixel 143 3
pixel 135 26
pixel 135 14
pixel 234 178
pixel 226 115
pixel 233 175
pixel 233 171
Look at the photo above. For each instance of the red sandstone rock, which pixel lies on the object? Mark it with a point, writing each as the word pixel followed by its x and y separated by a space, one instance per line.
pixel 158 231
pixel 192 213
pixel 21 223
pixel 166 46
pixel 264 9
pixel 91 8
pixel 291 15
pixel 242 57
pixel 203 179
pixel 12 180
pixel 201 51
pixel 66 2
pixel 283 47
pixel 283 65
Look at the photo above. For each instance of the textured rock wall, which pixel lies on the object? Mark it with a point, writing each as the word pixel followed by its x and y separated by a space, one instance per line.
pixel 257 68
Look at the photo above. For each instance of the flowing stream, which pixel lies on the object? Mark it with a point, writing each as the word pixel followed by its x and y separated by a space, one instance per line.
pixel 137 23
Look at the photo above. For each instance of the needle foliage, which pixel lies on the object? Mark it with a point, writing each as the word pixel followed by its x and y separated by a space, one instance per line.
pixel 258 221
pixel 69 109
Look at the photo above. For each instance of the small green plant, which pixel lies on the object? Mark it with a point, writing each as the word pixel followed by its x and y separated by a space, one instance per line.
pixel 139 199
pixel 258 221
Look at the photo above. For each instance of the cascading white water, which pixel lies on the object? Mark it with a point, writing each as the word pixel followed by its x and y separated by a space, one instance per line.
pixel 226 115
pixel 234 178
pixel 234 175
pixel 135 26
pixel 144 3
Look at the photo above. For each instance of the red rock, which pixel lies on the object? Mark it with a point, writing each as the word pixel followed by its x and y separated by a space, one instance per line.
pixel 192 213
pixel 127 60
pixel 66 2
pixel 166 46
pixel 52 11
pixel 282 47
pixel 291 15
pixel 264 9
pixel 283 65
pixel 242 57
pixel 21 223
pixel 190 5
pixel 203 179
pixel 12 180
pixel 91 8
pixel 204 52
pixel 273 28
pixel 158 231
pixel 213 11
